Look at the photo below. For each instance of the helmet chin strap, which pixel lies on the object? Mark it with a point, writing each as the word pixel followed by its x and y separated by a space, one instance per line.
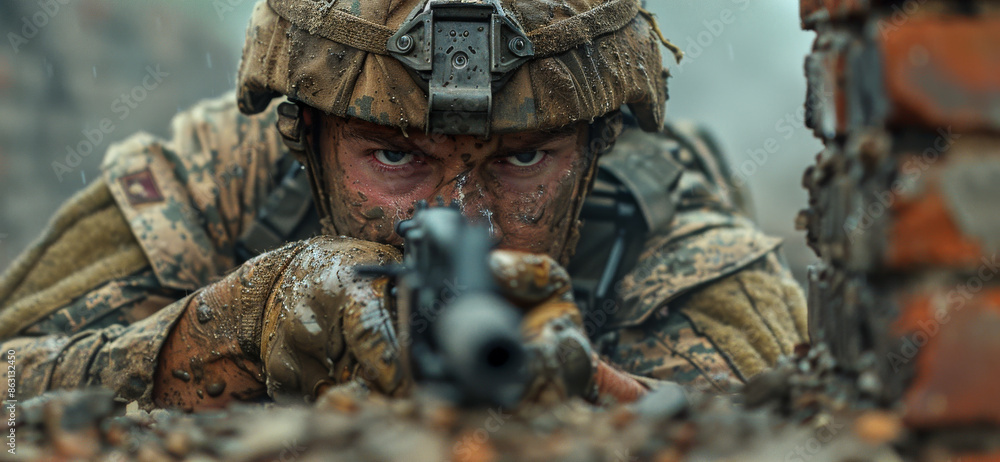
pixel 602 134
pixel 303 141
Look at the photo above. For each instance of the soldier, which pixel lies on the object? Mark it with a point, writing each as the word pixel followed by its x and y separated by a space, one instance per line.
pixel 516 110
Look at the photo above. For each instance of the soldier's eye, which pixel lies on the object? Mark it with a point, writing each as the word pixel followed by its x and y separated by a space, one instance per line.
pixel 526 159
pixel 393 158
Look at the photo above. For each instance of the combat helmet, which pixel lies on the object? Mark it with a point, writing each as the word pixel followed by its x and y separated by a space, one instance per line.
pixel 455 67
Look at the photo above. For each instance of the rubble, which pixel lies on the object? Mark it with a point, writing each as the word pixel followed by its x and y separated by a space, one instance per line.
pixel 668 425
pixel 802 410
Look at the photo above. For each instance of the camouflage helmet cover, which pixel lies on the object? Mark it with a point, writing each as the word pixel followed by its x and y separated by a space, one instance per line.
pixel 591 57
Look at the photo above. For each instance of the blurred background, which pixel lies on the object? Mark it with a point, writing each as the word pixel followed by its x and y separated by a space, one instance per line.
pixel 64 68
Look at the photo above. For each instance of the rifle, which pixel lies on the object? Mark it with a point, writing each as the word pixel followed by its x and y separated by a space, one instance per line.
pixel 458 336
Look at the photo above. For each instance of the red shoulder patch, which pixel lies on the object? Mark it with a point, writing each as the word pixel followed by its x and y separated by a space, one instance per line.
pixel 140 188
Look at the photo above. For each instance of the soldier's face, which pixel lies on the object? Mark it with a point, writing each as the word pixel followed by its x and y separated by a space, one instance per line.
pixel 521 185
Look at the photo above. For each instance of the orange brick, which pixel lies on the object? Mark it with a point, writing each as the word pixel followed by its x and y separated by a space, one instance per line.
pixel 956 354
pixel 943 72
pixel 923 233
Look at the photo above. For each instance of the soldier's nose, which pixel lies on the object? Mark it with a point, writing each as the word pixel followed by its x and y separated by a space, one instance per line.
pixel 468 195
pixel 460 189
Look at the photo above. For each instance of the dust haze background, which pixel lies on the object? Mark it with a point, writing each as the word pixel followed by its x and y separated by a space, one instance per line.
pixel 742 78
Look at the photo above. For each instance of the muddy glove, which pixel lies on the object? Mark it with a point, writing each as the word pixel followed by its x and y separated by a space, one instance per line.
pixel 326 325
pixel 284 323
pixel 562 362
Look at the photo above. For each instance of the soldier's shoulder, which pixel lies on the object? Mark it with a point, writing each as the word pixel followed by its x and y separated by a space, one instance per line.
pixel 699 247
pixel 187 198
pixel 708 235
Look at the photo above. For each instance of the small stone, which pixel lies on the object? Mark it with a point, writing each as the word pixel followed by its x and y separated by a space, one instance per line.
pixel 622 417
pixel 149 453
pixel 878 427
pixel 200 393
pixel 177 444
pixel 216 389
pixel 74 446
pixel 342 402
pixel 116 435
pixel 204 313
pixel 469 449
pixel 442 417
pixel 182 375
pixel 868 382
pixel 665 402
pixel 669 455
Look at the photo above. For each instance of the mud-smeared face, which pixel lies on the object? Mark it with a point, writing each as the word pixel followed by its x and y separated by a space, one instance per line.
pixel 521 185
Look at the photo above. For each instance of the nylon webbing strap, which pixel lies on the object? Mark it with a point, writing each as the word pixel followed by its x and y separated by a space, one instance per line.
pixel 334 24
pixel 345 28
pixel 570 33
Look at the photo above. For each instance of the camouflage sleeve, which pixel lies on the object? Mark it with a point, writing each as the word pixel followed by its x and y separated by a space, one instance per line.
pixel 717 336
pixel 64 302
pixel 120 358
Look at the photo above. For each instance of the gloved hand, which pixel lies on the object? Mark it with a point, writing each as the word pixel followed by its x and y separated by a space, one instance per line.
pixel 284 324
pixel 299 319
pixel 326 325
pixel 562 362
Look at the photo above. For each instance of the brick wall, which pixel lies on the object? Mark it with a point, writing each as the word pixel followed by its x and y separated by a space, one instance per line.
pixel 904 205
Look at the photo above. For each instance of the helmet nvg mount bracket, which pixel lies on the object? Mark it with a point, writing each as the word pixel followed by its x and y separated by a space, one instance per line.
pixel 460 53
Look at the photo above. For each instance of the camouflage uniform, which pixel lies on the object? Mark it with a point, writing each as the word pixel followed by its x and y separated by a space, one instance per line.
pixel 707 303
